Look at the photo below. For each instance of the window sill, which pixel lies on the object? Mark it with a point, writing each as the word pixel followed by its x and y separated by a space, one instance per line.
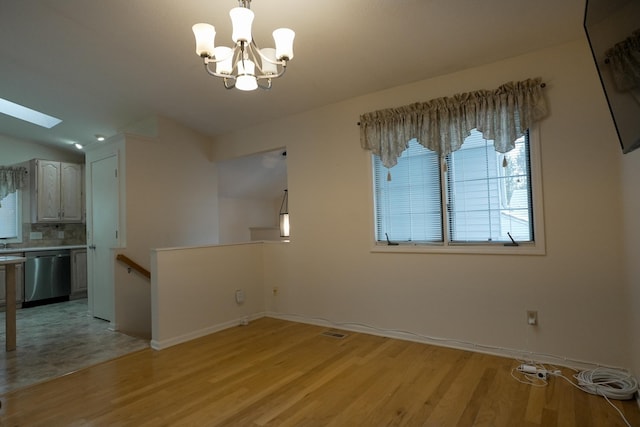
pixel 480 249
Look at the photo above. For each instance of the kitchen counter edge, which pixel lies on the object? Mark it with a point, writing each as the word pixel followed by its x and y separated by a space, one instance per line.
pixel 40 248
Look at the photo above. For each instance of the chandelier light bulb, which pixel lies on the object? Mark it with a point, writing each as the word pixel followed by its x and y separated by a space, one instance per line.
pixel 246 79
pixel 241 18
pixel 284 43
pixel 269 65
pixel 224 56
pixel 205 35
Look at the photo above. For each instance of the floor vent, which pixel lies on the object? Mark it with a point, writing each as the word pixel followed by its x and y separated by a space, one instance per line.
pixel 334 334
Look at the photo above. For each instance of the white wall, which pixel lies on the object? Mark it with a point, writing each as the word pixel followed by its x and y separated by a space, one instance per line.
pixel 237 215
pixel 193 290
pixel 13 150
pixel 631 192
pixel 171 200
pixel 578 287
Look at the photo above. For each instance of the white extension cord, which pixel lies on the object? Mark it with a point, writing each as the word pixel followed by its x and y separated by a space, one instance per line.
pixel 606 382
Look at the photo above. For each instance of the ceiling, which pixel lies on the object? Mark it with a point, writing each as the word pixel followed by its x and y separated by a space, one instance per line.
pixel 103 67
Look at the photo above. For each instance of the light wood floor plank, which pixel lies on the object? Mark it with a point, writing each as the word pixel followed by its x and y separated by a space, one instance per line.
pixel 278 373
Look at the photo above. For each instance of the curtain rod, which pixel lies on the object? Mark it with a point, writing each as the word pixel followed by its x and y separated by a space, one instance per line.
pixel 542 85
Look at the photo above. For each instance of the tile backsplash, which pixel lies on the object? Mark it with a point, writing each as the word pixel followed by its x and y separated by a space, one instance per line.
pixel 52 235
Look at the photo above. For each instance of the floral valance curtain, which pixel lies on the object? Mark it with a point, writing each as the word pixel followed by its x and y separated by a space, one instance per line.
pixel 624 61
pixel 441 125
pixel 11 179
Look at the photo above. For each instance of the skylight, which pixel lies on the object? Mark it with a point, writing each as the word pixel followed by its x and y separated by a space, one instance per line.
pixel 27 114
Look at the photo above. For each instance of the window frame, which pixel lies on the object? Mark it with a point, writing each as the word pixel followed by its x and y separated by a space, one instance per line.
pixel 537 247
pixel 17 239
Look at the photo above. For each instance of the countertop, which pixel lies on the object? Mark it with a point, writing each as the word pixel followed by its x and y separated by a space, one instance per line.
pixel 12 260
pixel 40 248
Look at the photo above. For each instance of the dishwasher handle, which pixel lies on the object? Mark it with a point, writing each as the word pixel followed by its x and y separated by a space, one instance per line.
pixel 51 256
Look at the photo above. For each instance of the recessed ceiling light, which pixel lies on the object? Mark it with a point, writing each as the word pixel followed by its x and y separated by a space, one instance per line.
pixel 78 146
pixel 100 138
pixel 27 114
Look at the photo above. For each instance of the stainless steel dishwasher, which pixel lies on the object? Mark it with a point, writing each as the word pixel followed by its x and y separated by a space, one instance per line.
pixel 47 277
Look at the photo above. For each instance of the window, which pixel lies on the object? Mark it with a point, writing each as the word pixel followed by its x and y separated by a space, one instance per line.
pixel 10 218
pixel 475 198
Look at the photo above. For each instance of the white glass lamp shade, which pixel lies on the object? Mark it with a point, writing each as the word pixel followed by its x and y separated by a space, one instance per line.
pixel 269 67
pixel 224 58
pixel 205 36
pixel 284 225
pixel 284 43
pixel 246 79
pixel 241 19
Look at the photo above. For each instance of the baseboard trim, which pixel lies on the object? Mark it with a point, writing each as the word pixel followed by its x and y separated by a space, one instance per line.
pixel 449 343
pixel 170 342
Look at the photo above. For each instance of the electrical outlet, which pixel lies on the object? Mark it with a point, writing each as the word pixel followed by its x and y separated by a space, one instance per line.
pixel 532 317
pixel 239 296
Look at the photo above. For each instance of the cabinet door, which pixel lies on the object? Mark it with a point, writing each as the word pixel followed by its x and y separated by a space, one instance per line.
pixel 78 271
pixel 71 192
pixel 48 190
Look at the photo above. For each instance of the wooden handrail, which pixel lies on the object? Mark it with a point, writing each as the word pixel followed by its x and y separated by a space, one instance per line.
pixel 132 264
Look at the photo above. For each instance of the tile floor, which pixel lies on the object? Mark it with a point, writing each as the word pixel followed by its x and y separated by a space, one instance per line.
pixel 56 339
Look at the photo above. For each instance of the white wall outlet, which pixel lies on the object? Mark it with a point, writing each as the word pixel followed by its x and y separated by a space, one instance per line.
pixel 35 235
pixel 532 317
pixel 239 296
pixel 60 234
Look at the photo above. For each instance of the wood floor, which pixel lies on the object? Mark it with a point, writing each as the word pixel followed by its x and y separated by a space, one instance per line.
pixel 277 373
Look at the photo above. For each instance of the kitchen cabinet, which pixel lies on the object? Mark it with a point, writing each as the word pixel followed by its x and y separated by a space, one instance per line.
pixel 18 284
pixel 78 273
pixel 56 191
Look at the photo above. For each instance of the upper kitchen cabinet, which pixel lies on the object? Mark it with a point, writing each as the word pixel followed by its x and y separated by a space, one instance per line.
pixel 56 191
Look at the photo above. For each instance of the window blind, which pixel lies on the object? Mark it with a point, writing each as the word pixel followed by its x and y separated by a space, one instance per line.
pixel 488 193
pixel 409 206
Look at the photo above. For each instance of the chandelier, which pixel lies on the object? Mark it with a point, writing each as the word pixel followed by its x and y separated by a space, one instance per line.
pixel 245 66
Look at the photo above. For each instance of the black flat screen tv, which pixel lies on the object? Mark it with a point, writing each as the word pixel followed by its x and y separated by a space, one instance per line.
pixel 613 31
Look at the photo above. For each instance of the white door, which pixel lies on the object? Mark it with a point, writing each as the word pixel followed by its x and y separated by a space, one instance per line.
pixel 104 235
